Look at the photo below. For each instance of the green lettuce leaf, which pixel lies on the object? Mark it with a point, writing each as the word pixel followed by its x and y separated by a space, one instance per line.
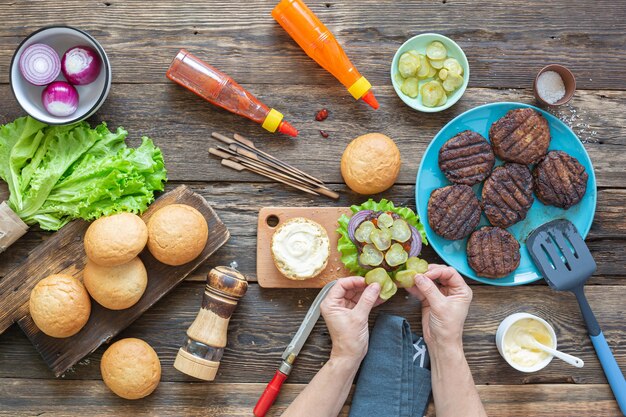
pixel 60 173
pixel 24 130
pixel 349 251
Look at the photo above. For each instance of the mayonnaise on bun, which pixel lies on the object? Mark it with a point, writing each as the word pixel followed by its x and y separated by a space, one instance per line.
pixel 300 248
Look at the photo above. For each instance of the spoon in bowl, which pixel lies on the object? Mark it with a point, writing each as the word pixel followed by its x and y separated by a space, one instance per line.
pixel 530 342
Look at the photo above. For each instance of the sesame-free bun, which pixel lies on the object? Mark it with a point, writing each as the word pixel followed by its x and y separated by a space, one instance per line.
pixel 300 248
pixel 370 164
pixel 116 287
pixel 59 305
pixel 177 234
pixel 131 368
pixel 116 239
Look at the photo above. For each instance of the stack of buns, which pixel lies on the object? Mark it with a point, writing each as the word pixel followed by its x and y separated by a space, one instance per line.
pixel 114 275
pixel 116 278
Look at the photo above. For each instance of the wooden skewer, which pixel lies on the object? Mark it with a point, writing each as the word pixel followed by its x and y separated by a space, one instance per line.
pixel 253 157
pixel 241 151
pixel 250 144
pixel 268 172
pixel 239 167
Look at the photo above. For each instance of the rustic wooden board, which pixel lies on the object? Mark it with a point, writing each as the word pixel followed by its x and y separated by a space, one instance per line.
pixel 71 398
pixel 64 253
pixel 605 238
pixel 268 275
pixel 266 319
pixel 505 41
pixel 180 123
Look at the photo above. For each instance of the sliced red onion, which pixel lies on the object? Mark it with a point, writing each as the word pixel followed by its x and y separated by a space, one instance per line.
pixel 81 65
pixel 416 242
pixel 60 99
pixel 358 218
pixel 40 64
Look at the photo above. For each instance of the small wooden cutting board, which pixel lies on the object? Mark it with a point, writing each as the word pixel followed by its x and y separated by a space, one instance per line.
pixel 64 253
pixel 270 218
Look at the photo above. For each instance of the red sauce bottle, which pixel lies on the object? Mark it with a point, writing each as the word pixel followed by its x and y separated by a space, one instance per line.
pixel 221 90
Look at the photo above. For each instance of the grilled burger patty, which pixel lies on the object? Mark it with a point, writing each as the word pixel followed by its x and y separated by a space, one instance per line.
pixel 493 252
pixel 507 194
pixel 453 211
pixel 560 180
pixel 467 158
pixel 521 136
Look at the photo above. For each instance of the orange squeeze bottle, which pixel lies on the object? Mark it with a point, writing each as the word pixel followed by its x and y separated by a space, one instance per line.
pixel 218 88
pixel 318 43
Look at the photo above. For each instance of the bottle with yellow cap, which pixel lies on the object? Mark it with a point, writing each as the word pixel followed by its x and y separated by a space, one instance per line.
pixel 318 43
pixel 221 90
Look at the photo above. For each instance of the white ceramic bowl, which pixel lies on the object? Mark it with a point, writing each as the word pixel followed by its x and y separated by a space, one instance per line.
pixel 420 42
pixel 91 96
pixel 504 327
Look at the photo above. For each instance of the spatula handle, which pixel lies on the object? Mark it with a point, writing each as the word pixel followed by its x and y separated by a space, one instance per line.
pixel 611 370
pixel 607 360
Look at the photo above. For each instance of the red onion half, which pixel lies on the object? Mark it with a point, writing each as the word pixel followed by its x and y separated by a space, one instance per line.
pixel 355 221
pixel 39 64
pixel 81 65
pixel 60 99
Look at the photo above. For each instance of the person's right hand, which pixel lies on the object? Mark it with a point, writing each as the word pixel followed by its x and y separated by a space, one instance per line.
pixel 444 306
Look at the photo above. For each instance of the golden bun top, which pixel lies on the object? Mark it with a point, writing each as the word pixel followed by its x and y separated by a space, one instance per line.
pixel 370 163
pixel 59 305
pixel 116 239
pixel 177 234
pixel 131 368
pixel 116 287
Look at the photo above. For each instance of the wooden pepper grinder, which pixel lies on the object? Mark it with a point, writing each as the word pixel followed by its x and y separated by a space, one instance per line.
pixel 206 337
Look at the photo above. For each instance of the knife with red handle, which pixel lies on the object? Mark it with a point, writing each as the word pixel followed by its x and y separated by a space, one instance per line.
pixel 291 353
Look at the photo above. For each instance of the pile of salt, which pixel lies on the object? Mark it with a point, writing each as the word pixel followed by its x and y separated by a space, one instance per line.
pixel 550 87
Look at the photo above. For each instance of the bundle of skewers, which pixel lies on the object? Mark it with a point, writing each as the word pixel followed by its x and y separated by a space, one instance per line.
pixel 241 154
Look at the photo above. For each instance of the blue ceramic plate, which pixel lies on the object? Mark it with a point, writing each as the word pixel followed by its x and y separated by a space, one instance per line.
pixel 430 177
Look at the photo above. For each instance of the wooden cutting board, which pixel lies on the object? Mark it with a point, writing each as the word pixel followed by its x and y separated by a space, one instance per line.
pixel 270 218
pixel 64 253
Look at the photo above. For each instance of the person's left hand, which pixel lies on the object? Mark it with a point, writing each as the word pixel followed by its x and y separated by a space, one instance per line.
pixel 346 310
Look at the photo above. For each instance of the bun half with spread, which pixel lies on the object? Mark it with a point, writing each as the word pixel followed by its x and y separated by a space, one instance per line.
pixel 300 248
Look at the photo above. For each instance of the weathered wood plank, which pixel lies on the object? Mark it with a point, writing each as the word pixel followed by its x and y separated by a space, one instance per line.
pixel 181 124
pixel 70 398
pixel 506 42
pixel 266 319
pixel 238 205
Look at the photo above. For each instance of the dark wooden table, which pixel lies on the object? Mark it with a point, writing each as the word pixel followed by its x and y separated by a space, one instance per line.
pixel 506 43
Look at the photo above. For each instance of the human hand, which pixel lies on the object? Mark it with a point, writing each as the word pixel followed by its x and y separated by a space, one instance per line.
pixel 444 306
pixel 346 310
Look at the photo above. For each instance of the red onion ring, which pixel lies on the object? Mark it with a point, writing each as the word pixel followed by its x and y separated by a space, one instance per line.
pixel 39 64
pixel 416 242
pixel 355 221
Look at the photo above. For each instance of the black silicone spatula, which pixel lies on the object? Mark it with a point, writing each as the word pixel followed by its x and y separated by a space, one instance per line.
pixel 565 262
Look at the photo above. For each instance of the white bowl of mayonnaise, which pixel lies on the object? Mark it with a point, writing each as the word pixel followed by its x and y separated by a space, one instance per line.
pixel 512 341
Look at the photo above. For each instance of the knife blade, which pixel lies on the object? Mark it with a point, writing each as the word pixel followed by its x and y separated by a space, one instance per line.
pixel 291 353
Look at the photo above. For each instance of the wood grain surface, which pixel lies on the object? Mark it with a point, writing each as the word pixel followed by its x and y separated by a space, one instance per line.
pixel 268 275
pixel 506 44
